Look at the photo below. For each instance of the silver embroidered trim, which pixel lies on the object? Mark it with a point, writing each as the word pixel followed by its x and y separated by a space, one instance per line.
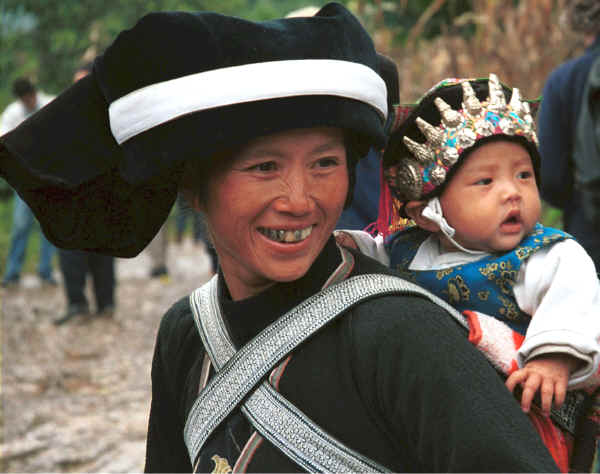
pixel 242 370
pixel 297 436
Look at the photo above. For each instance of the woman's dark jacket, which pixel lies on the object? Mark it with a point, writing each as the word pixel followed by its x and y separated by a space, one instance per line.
pixel 394 378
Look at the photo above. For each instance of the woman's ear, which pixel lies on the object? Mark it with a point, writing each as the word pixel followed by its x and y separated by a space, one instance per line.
pixel 414 209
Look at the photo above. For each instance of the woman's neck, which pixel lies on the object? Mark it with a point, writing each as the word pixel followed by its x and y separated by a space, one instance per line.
pixel 240 291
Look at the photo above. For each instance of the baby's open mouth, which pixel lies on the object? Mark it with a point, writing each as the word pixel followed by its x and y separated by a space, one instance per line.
pixel 514 217
pixel 286 236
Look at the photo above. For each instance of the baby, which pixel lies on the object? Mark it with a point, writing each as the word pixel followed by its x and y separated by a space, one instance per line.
pixel 463 166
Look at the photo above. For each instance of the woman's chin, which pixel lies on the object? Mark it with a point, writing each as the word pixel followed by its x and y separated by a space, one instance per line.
pixel 289 272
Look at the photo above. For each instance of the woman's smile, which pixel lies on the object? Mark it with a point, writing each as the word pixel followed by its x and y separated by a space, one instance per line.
pixel 286 235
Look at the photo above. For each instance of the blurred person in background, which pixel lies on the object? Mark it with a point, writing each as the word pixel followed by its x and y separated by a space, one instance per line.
pixel 29 100
pixel 557 122
pixel 75 265
pixel 157 251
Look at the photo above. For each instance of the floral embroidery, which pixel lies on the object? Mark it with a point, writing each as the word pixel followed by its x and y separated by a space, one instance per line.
pixel 523 252
pixel 488 270
pixel 483 295
pixel 441 274
pixel 458 290
pixel 509 310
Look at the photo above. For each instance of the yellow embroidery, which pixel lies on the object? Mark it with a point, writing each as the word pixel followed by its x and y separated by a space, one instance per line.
pixel 488 270
pixel 440 274
pixel 221 465
pixel 538 231
pixel 510 310
pixel 483 295
pixel 458 290
pixel 550 238
pixel 523 252
pixel 507 281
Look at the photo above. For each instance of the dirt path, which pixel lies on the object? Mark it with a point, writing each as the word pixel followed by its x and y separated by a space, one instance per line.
pixel 76 397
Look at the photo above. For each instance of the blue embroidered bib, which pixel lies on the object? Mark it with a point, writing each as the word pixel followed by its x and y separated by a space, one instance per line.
pixel 485 285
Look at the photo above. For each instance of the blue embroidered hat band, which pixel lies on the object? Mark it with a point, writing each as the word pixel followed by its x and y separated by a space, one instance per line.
pixel 425 166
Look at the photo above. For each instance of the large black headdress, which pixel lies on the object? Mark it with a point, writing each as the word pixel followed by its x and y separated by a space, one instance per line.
pixel 100 165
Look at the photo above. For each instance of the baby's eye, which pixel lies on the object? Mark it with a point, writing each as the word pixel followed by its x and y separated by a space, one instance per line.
pixel 264 166
pixel 525 174
pixel 483 181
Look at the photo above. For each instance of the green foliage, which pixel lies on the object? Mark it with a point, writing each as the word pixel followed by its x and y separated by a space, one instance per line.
pixel 401 16
pixel 551 216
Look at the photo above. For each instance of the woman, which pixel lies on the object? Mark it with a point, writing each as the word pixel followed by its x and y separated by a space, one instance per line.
pixel 261 129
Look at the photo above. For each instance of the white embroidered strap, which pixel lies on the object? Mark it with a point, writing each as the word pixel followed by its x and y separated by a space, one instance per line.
pixel 241 371
pixel 299 438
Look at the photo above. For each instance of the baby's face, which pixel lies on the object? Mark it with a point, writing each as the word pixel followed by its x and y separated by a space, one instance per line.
pixel 493 201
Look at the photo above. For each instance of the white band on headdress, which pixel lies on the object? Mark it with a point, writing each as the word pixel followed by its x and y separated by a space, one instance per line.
pixel 433 211
pixel 158 103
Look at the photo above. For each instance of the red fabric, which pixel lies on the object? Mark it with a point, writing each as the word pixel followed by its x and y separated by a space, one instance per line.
pixel 475 332
pixel 384 216
pixel 389 219
pixel 518 339
pixel 552 437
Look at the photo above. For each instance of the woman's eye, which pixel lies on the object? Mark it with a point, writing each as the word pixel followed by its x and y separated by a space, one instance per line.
pixel 326 162
pixel 265 166
pixel 484 182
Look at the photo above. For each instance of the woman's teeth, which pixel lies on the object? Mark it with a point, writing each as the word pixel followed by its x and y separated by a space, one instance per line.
pixel 287 236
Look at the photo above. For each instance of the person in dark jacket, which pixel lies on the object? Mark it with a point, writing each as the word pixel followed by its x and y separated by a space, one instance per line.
pixel 297 355
pixel 557 119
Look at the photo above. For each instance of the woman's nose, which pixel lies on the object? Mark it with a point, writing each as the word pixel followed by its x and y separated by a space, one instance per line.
pixel 296 196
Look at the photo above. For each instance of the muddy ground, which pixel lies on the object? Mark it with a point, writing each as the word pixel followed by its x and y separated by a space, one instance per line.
pixel 75 398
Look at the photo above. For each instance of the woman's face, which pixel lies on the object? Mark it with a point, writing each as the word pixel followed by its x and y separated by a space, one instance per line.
pixel 272 210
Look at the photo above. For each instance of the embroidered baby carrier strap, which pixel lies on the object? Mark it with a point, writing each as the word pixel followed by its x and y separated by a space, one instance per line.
pixel 485 285
pixel 241 373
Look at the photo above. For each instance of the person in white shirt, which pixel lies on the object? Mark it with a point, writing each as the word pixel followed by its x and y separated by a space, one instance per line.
pixel 29 100
pixel 464 166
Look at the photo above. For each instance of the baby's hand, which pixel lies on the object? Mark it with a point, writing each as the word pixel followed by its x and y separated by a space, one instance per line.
pixel 549 374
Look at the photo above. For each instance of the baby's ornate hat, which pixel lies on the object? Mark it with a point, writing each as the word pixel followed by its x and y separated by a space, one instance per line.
pixel 434 136
pixel 101 164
